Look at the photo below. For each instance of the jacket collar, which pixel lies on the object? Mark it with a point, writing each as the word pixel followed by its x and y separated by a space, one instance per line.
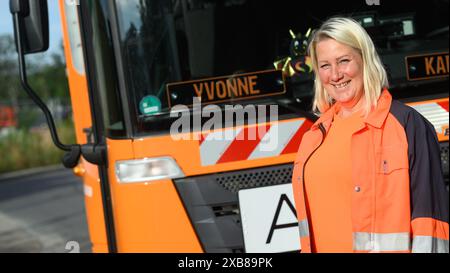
pixel 375 118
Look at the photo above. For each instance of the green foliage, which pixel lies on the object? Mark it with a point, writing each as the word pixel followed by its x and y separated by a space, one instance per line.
pixel 29 146
pixel 46 76
pixel 27 117
pixel 22 148
pixel 49 80
pixel 9 74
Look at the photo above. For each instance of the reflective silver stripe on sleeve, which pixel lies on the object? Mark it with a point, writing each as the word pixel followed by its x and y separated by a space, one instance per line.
pixel 428 244
pixel 363 241
pixel 303 228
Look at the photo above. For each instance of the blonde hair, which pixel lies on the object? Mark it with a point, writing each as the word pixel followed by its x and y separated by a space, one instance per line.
pixel 349 32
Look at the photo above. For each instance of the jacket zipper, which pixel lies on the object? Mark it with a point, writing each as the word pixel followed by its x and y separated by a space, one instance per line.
pixel 322 129
pixel 324 132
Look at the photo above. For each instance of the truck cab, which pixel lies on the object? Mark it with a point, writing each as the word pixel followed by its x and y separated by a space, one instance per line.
pixel 193 112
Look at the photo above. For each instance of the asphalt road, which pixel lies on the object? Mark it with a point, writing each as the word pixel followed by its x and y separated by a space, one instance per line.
pixel 42 212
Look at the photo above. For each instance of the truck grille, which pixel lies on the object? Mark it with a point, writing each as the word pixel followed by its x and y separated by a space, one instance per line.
pixel 212 203
pixel 237 181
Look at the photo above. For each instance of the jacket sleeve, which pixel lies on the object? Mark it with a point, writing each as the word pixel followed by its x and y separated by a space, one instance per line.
pixel 429 196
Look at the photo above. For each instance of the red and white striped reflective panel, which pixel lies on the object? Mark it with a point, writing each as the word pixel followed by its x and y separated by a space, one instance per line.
pixel 254 142
pixel 435 112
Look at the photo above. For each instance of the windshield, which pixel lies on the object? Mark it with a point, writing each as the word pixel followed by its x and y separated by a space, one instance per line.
pixel 169 45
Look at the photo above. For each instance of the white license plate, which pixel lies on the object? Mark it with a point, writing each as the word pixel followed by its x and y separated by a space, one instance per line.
pixel 269 222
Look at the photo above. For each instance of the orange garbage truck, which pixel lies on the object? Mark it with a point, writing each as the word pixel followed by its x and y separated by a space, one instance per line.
pixel 188 114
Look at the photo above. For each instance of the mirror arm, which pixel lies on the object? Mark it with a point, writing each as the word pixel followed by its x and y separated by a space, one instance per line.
pixel 72 156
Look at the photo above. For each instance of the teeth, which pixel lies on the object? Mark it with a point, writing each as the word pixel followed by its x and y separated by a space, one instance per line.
pixel 342 85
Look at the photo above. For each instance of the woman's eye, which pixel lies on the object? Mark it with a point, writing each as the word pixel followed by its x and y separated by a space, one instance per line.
pixel 344 61
pixel 324 66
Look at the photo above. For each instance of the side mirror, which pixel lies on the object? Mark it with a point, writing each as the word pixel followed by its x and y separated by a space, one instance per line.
pixel 33 24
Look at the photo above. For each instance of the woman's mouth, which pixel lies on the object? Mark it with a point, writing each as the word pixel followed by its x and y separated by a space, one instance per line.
pixel 341 85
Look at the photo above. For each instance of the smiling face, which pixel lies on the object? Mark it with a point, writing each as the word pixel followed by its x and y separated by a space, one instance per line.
pixel 340 70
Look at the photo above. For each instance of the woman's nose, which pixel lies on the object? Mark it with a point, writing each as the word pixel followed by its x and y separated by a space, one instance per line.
pixel 336 75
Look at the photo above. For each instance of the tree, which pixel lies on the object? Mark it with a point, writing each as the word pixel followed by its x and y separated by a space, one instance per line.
pixel 46 75
pixel 9 83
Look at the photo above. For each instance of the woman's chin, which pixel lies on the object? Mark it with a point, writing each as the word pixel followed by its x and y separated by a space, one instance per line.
pixel 345 99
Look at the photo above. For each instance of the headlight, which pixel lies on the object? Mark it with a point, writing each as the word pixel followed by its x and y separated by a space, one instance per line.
pixel 148 169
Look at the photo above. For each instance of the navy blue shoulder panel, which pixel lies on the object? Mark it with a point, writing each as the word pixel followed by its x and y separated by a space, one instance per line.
pixel 429 196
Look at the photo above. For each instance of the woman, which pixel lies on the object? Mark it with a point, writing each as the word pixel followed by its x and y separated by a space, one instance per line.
pixel 367 176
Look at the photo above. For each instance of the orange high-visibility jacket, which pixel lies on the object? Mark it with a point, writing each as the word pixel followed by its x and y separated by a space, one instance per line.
pixel 399 202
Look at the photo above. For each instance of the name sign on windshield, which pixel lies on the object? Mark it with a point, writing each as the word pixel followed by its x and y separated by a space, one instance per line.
pixel 227 88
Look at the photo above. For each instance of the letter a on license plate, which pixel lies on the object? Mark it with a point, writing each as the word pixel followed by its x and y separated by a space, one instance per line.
pixel 269 221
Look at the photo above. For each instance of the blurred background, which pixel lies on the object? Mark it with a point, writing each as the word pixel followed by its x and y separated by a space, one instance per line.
pixel 24 136
pixel 41 203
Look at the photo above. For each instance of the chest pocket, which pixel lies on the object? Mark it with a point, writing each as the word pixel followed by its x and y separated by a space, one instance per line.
pixel 392 158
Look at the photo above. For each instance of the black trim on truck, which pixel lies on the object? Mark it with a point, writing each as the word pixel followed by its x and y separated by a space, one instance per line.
pixel 97 124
